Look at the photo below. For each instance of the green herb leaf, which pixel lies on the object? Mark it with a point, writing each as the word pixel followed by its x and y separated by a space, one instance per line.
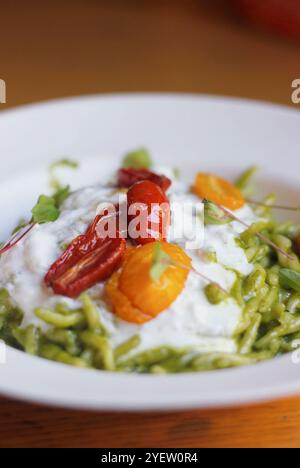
pixel 4 298
pixel 64 163
pixel 139 159
pixel 61 195
pixel 214 215
pixel 160 263
pixel 21 224
pixel 244 181
pixel 67 163
pixel 45 210
pixel 289 279
pixel 176 173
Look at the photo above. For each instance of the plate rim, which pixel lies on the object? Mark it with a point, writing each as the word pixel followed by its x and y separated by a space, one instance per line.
pixel 264 394
pixel 150 95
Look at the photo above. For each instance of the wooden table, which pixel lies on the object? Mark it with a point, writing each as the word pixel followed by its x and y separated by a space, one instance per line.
pixel 269 425
pixel 71 47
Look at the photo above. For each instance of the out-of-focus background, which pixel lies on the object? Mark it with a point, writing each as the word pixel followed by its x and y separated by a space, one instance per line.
pixel 54 48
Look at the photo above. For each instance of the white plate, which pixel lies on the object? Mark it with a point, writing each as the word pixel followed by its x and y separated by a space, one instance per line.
pixel 187 131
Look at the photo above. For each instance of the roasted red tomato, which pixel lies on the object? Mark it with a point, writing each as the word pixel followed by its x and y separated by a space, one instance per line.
pixel 148 212
pixel 88 260
pixel 129 177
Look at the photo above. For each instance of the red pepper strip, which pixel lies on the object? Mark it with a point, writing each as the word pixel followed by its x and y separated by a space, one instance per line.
pixel 129 177
pixel 149 197
pixel 16 238
pixel 87 261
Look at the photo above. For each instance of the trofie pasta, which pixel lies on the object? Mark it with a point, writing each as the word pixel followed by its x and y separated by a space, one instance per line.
pixel 150 300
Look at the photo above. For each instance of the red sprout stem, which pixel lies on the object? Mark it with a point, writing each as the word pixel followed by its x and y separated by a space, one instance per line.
pixel 206 278
pixel 193 270
pixel 258 234
pixel 276 207
pixel 16 238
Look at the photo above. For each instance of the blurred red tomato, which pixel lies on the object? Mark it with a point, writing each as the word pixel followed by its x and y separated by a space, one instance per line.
pixel 282 16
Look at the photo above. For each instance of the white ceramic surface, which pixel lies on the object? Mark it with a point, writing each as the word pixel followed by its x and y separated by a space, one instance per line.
pixel 189 132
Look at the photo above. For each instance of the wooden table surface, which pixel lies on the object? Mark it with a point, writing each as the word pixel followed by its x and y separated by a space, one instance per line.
pixel 269 425
pixel 70 47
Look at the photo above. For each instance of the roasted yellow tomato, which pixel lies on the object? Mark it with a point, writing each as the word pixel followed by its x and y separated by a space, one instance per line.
pixel 218 190
pixel 121 304
pixel 135 296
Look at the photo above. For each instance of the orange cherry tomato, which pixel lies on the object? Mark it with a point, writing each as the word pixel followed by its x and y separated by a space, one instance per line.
pixel 135 296
pixel 148 198
pixel 218 190
pixel 121 304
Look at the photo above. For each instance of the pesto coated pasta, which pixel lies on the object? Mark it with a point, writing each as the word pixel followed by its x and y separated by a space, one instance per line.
pixel 234 302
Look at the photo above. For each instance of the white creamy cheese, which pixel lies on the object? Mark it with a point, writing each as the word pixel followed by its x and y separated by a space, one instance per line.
pixel 190 321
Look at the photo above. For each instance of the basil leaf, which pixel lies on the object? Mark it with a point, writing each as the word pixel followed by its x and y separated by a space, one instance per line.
pixel 160 263
pixel 139 159
pixel 289 279
pixel 45 210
